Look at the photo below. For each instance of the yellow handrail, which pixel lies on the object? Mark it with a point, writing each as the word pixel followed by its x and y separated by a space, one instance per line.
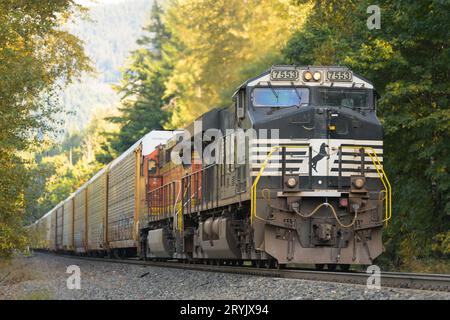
pixel 383 177
pixel 368 150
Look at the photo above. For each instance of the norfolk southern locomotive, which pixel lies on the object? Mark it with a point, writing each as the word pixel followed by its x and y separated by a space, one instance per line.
pixel 296 177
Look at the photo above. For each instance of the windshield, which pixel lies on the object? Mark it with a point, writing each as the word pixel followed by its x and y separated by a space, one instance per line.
pixel 350 98
pixel 280 97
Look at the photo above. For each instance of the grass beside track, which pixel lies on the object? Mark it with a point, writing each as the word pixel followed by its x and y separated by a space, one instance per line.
pixel 17 270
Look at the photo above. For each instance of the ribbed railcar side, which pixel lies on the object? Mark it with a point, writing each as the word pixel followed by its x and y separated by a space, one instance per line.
pixel 41 234
pixel 59 227
pixel 68 224
pixel 48 230
pixel 52 238
pixel 96 210
pixel 80 220
pixel 121 202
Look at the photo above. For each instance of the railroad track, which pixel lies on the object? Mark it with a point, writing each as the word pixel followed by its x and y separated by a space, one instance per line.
pixel 421 281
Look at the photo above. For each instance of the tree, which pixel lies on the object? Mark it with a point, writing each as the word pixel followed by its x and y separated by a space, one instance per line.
pixel 222 43
pixel 58 169
pixel 36 58
pixel 142 87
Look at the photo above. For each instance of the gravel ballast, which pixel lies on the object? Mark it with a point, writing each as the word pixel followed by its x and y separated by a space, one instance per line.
pixel 43 276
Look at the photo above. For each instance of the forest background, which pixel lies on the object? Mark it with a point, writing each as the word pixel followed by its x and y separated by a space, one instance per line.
pixel 80 84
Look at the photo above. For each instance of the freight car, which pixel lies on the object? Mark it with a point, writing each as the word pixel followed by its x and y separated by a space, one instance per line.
pixel 290 172
pixel 102 216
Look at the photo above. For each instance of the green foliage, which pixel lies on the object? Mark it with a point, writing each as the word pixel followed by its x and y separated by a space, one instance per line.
pixel 408 59
pixel 12 236
pixel 59 169
pixel 441 244
pixel 35 55
pixel 220 44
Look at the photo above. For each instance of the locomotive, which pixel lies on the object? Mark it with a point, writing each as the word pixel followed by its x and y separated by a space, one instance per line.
pixel 290 173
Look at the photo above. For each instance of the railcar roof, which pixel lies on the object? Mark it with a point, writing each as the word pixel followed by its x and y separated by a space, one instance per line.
pixel 149 142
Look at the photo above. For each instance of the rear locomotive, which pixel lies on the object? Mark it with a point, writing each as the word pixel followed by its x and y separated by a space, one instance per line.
pixel 296 176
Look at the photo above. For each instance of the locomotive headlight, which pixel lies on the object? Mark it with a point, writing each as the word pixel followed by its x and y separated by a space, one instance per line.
pixel 317 76
pixel 307 75
pixel 291 182
pixel 359 183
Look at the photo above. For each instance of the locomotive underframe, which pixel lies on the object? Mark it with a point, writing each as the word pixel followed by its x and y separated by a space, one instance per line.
pixel 279 233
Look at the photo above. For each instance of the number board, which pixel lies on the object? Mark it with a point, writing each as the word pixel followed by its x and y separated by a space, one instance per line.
pixel 339 76
pixel 284 74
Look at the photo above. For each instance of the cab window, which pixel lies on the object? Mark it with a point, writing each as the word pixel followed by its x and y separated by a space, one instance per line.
pixel 151 166
pixel 279 97
pixel 343 97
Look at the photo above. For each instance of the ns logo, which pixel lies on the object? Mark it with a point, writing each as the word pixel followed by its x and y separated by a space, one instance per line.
pixel 319 156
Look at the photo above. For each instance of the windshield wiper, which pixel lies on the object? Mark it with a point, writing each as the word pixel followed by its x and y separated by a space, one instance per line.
pixel 296 91
pixel 273 90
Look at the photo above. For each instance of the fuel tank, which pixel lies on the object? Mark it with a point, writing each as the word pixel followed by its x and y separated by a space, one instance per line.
pixel 215 239
pixel 159 244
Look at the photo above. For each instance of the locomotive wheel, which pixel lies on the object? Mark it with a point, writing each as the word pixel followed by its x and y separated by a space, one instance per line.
pixel 275 265
pixel 320 266
pixel 331 266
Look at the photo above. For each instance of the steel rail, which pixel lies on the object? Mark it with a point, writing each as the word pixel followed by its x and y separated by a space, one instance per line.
pixel 420 281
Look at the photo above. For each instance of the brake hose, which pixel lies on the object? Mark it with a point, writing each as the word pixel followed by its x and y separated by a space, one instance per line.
pixel 266 195
pixel 332 210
